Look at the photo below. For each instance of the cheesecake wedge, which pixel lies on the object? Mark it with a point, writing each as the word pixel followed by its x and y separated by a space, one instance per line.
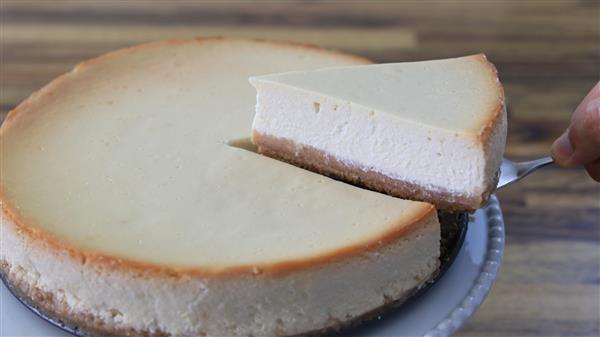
pixel 433 131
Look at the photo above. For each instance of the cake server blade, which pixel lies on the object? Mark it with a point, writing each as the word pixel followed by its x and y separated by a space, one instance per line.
pixel 511 172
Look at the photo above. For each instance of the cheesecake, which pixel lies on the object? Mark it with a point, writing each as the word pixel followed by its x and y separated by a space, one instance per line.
pixel 432 131
pixel 129 205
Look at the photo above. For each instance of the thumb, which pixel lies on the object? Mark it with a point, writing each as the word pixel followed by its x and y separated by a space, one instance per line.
pixel 580 144
pixel 562 149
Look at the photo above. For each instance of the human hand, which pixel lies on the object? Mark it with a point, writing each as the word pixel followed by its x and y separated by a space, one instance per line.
pixel 580 144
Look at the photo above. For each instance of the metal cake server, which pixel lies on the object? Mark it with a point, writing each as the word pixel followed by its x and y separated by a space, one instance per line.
pixel 511 172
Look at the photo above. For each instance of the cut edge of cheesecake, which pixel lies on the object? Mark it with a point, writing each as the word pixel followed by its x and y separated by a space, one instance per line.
pixel 489 135
pixel 321 162
pixel 29 231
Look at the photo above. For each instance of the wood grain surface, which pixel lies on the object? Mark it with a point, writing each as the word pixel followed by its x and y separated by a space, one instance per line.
pixel 548 56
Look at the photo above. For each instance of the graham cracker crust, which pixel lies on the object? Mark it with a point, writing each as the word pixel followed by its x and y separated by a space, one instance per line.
pixel 319 161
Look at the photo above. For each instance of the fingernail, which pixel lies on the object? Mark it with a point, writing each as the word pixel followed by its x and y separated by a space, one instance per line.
pixel 562 147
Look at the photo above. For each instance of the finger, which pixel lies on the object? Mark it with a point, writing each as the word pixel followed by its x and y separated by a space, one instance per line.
pixel 584 135
pixel 593 94
pixel 580 144
pixel 593 170
pixel 562 150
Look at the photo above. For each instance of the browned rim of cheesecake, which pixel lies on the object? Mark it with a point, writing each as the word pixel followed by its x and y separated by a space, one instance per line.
pixel 319 161
pixel 497 108
pixel 28 230
pixel 46 91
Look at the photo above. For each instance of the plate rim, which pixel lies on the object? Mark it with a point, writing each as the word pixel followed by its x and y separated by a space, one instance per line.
pixel 482 286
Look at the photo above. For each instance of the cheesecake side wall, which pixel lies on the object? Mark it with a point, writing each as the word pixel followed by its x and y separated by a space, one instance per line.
pixel 106 300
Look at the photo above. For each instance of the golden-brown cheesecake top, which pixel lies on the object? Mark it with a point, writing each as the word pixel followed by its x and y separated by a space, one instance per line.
pixel 126 157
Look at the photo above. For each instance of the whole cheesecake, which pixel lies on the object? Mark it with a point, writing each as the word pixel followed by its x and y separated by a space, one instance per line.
pixel 129 208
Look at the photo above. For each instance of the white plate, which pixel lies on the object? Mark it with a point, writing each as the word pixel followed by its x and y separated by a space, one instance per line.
pixel 440 311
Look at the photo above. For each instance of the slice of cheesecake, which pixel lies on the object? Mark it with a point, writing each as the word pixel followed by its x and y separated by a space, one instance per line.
pixel 124 211
pixel 433 131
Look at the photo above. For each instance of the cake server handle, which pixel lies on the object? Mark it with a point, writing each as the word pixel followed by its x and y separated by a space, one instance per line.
pixel 511 172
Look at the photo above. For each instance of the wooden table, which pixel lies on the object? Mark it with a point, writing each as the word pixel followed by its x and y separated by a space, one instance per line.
pixel 548 56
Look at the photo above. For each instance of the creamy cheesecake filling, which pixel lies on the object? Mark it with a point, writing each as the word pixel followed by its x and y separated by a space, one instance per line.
pixel 435 158
pixel 319 161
